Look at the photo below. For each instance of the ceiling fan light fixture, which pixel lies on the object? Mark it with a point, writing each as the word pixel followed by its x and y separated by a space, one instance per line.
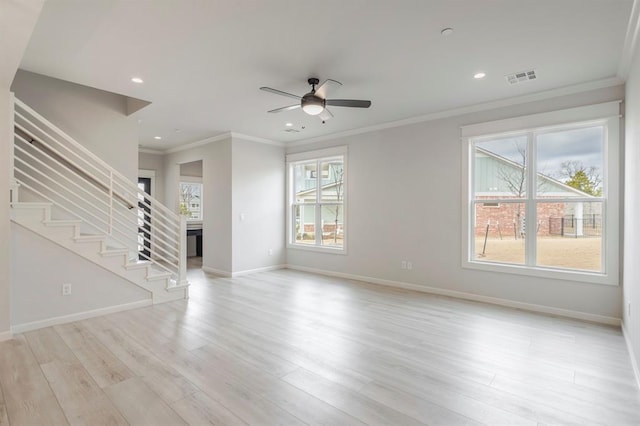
pixel 312 104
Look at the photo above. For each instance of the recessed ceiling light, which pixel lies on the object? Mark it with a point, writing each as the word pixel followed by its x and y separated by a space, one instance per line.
pixel 479 75
pixel 137 80
pixel 289 124
pixel 157 137
pixel 446 31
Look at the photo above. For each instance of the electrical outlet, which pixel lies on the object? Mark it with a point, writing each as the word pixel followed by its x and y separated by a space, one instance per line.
pixel 409 265
pixel 403 264
pixel 66 289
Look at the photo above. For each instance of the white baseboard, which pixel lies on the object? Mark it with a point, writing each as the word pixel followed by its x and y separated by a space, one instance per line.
pixel 228 274
pixel 632 354
pixel 6 335
pixel 253 271
pixel 21 328
pixel 219 272
pixel 584 316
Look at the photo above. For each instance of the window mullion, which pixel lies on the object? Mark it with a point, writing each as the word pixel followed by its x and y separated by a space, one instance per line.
pixel 531 207
pixel 318 212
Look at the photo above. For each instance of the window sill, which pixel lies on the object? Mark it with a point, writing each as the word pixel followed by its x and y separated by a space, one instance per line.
pixel 317 249
pixel 541 272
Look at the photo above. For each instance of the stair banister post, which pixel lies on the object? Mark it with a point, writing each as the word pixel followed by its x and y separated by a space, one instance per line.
pixel 182 267
pixel 110 202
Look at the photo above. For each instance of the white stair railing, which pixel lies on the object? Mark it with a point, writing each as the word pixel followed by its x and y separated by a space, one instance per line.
pixel 52 166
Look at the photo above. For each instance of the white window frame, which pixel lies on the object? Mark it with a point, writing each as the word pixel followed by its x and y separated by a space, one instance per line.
pixel 317 155
pixel 605 114
pixel 193 180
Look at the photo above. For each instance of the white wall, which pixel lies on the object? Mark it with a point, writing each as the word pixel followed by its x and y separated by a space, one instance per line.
pixel 404 203
pixel 155 162
pixel 216 179
pixel 632 211
pixel 95 118
pixel 41 267
pixel 17 20
pixel 258 209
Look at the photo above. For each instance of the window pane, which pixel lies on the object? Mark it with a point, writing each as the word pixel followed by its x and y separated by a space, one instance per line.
pixel 500 233
pixel 305 182
pixel 332 173
pixel 191 200
pixel 305 228
pixel 570 235
pixel 570 163
pixel 332 225
pixel 500 170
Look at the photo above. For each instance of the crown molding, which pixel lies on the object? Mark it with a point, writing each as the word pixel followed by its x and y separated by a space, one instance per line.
pixel 630 41
pixel 257 139
pixel 151 151
pixel 547 94
pixel 191 145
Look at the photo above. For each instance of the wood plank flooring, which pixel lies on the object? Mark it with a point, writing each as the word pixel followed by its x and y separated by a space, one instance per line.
pixel 293 348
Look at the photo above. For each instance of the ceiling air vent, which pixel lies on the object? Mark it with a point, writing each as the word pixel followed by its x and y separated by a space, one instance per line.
pixel 521 76
pixel 291 131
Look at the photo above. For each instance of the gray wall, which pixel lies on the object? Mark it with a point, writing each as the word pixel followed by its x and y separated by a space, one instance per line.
pixel 94 118
pixel 38 297
pixel 258 213
pixel 632 209
pixel 216 178
pixel 155 162
pixel 404 203
pixel 17 20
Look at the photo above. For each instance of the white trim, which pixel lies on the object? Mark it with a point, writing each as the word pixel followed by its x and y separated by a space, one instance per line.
pixel 583 316
pixel 548 94
pixel 256 270
pixel 21 328
pixel 151 174
pixel 150 151
pixel 6 335
pixel 215 271
pixel 317 154
pixel 534 124
pixel 630 41
pixel 206 141
pixel 540 122
pixel 632 354
pixel 257 139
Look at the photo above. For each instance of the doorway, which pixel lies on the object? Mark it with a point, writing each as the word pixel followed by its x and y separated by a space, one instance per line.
pixel 144 220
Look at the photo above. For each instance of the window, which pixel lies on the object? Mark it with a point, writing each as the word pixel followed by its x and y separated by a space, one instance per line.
pixel 544 200
pixel 191 200
pixel 316 213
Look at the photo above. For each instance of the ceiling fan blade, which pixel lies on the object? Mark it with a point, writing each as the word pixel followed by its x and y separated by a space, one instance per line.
pixel 326 87
pixel 325 115
pixel 353 103
pixel 287 108
pixel 280 92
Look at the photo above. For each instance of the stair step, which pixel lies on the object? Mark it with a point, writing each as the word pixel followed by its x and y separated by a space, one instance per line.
pixel 157 275
pixel 137 264
pixel 89 238
pixel 22 205
pixel 112 251
pixel 55 222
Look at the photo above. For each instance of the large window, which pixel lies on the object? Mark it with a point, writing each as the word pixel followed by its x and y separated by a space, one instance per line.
pixel 544 201
pixel 191 200
pixel 316 215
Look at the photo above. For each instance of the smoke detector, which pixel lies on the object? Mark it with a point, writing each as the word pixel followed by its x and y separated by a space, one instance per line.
pixel 520 77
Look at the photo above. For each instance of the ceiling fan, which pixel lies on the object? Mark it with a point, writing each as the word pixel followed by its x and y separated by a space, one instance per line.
pixel 315 102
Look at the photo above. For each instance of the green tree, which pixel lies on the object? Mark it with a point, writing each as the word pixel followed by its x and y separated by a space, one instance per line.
pixel 585 179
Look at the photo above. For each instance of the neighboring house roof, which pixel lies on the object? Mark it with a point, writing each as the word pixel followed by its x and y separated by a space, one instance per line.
pixel 493 171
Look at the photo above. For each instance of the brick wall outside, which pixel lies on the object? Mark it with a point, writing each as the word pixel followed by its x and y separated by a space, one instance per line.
pixel 502 218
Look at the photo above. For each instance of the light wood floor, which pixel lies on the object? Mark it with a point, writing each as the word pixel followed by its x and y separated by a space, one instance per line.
pixel 286 347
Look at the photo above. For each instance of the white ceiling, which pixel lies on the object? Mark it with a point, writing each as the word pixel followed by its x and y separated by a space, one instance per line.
pixel 203 61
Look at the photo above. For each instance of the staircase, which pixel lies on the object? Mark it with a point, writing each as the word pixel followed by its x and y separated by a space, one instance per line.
pixel 64 193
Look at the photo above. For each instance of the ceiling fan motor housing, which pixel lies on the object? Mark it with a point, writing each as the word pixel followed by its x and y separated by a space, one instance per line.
pixel 312 104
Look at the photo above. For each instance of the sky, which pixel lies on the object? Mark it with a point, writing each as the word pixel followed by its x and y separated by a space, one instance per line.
pixel 584 145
